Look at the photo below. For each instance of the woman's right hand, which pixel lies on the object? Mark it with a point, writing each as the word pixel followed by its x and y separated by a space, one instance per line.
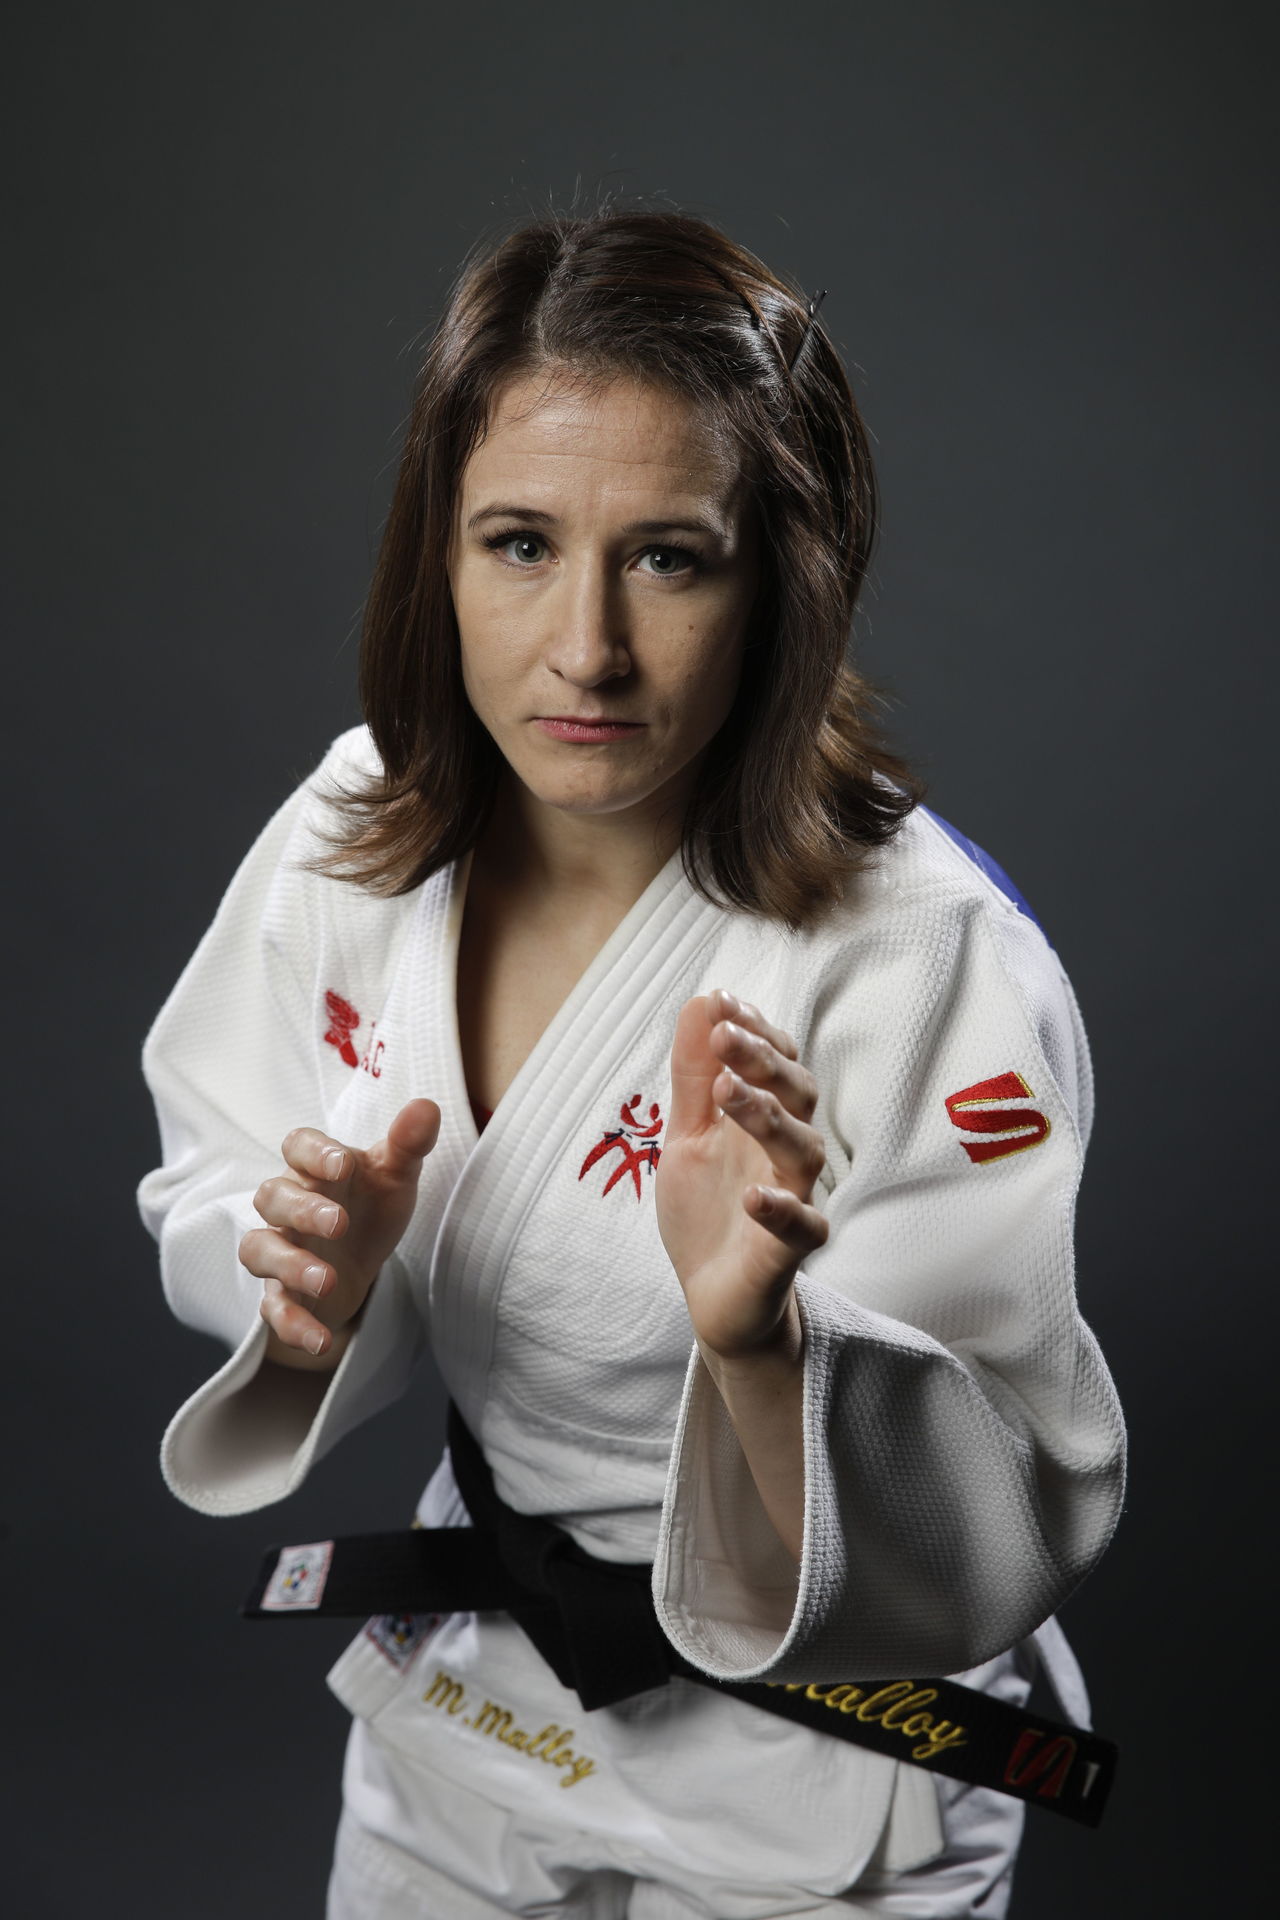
pixel 332 1220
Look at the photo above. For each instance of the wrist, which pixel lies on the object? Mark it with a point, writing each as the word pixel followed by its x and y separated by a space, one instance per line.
pixel 778 1356
pixel 762 1392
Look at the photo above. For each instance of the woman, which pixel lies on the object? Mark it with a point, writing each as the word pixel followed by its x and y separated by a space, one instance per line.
pixel 716 1113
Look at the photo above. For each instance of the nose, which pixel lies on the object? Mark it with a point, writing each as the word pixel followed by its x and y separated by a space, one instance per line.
pixel 589 642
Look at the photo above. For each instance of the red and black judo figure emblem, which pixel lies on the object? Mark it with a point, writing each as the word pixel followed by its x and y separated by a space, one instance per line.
pixel 635 1143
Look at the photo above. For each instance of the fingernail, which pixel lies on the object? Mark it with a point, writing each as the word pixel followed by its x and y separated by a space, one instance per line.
pixel 314 1278
pixel 332 1163
pixel 314 1343
pixel 727 999
pixel 327 1217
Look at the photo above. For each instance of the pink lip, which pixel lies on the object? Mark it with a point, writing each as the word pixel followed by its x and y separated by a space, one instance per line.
pixel 565 728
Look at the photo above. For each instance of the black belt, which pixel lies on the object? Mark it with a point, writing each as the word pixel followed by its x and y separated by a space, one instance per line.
pixel 594 1624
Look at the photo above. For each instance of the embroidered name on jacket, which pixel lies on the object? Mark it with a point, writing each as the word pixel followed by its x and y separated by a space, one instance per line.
pixel 977 1109
pixel 551 1744
pixel 636 1141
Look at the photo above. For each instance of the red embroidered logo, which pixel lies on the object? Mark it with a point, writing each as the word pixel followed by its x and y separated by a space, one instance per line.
pixel 343 1021
pixel 371 1058
pixel 622 1140
pixel 977 1110
pixel 1049 1764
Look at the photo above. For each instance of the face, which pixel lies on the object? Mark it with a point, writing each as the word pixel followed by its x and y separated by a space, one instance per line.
pixel 603 571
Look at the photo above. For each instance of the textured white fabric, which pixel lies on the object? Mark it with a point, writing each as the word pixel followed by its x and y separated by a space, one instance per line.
pixel 688 1804
pixel 964 1446
pixel 415 1841
pixel 705 1791
pixel 710 1805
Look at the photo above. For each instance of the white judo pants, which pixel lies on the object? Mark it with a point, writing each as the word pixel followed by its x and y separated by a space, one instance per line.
pixel 476 1786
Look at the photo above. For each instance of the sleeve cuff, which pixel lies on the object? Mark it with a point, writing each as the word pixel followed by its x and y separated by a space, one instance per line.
pixel 901 1507
pixel 250 1435
pixel 727 1592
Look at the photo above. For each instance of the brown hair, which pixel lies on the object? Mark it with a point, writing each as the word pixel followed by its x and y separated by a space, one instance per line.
pixel 796 787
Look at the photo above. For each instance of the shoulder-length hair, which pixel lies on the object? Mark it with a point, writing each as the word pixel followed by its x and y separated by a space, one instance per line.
pixel 796 788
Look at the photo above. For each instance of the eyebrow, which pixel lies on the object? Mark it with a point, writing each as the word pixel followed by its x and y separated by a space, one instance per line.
pixel 537 517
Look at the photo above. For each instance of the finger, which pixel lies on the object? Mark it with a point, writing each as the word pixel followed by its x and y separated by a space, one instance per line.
pixel 268 1255
pixel 796 1151
pixel 316 1154
pixel 283 1203
pixel 799 1226
pixel 410 1137
pixel 759 1061
pixel 290 1322
pixel 729 1007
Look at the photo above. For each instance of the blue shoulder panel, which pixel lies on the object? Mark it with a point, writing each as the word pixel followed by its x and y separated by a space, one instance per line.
pixel 990 867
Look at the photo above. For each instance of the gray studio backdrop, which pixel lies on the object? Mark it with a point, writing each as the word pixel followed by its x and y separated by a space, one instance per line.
pixel 1042 232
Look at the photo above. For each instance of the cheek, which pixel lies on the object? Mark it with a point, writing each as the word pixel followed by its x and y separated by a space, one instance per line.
pixel 488 679
pixel 708 675
pixel 478 601
pixel 488 644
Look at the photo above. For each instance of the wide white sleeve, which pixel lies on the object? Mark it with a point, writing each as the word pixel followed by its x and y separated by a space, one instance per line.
pixel 963 1442
pixel 232 1063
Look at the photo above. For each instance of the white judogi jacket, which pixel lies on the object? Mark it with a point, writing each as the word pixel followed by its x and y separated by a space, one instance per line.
pixel 963 1441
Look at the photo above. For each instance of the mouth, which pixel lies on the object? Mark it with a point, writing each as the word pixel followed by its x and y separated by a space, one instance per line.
pixel 568 727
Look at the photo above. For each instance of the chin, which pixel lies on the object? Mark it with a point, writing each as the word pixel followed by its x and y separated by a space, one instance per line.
pixel 608 796
pixel 591 803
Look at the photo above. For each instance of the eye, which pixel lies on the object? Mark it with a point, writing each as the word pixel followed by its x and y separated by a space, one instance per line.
pixel 507 539
pixel 691 562
pixel 686 561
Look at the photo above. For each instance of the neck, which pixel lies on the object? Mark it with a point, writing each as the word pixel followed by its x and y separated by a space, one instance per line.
pixel 604 859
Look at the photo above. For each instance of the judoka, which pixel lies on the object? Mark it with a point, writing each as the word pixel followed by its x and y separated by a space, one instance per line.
pixel 605 1012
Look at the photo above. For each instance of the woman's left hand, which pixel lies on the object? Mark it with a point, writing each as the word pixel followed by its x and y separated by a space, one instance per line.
pixel 738 1166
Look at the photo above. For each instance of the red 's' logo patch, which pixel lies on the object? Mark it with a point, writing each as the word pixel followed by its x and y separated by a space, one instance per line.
pixel 977 1109
pixel 636 1141
pixel 1032 1760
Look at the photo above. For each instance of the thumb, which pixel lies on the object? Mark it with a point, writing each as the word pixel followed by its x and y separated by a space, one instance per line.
pixel 693 1069
pixel 411 1136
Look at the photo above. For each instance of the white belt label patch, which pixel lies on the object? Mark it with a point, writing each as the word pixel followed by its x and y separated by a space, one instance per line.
pixel 298 1581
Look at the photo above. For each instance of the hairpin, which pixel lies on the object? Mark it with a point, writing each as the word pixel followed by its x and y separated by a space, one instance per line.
pixel 814 304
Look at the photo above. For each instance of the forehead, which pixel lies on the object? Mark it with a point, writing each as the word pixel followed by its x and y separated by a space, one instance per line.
pixel 553 436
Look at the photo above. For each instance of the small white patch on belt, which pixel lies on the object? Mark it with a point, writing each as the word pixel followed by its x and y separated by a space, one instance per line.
pixel 298 1581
